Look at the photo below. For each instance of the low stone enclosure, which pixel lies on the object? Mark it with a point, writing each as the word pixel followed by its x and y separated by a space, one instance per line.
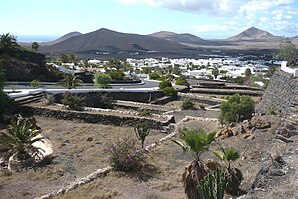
pixel 98 117
pixel 92 98
pixel 102 172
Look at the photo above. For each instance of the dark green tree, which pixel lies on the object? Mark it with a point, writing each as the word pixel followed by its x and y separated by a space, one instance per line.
pixel 35 46
pixel 215 72
pixel 287 50
pixel 236 109
pixel 102 80
pixel 247 72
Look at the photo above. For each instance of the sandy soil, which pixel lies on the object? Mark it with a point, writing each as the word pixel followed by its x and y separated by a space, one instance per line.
pixel 75 157
pixel 79 151
pixel 162 178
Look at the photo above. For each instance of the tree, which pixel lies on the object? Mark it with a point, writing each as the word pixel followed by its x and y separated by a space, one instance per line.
pixel 114 63
pixel 164 84
pixel 237 108
pixel 8 43
pixel 247 72
pixel 19 139
pixel 35 46
pixel 195 142
pixel 102 80
pixel 3 97
pixel 287 50
pixel 70 81
pixel 215 72
pixel 229 155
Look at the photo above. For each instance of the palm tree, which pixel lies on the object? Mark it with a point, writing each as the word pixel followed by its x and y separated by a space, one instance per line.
pixel 229 155
pixel 19 139
pixel 195 142
pixel 8 43
pixel 70 81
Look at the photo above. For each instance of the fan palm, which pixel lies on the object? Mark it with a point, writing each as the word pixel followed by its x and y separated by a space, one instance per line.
pixel 70 81
pixel 7 43
pixel 195 142
pixel 19 139
pixel 229 155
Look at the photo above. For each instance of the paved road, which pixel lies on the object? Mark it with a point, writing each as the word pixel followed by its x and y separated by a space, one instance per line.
pixel 50 85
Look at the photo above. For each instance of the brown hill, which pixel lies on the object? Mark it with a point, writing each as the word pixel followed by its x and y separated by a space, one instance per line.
pixel 185 38
pixel 162 34
pixel 60 39
pixel 104 40
pixel 253 34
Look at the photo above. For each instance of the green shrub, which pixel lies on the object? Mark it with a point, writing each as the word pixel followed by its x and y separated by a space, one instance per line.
pixel 125 155
pixel 72 101
pixel 144 112
pixel 117 75
pixel 181 81
pixel 35 83
pixel 187 104
pixel 169 91
pixel 102 80
pixel 236 109
pixel 164 84
pixel 106 102
pixel 4 101
pixel 154 76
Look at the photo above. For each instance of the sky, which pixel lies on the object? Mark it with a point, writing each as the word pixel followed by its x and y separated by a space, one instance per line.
pixel 208 19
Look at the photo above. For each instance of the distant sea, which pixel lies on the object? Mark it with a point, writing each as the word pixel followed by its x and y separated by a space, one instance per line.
pixel 35 38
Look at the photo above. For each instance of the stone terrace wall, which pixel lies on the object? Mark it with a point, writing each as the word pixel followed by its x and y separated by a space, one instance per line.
pixel 91 98
pixel 96 118
pixel 280 93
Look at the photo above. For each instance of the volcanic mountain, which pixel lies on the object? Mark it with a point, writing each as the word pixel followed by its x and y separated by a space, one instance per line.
pixel 104 40
pixel 60 39
pixel 184 38
pixel 253 34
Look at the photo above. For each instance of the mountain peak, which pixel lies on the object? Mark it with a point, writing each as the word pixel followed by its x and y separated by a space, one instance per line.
pixel 252 33
pixel 162 34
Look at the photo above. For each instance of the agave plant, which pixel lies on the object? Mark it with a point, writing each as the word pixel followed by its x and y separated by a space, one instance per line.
pixel 195 142
pixel 19 139
pixel 70 81
pixel 229 155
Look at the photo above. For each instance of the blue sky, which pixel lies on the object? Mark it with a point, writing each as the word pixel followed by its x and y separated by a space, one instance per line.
pixel 212 19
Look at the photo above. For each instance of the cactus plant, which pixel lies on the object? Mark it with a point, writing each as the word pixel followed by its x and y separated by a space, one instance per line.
pixel 142 130
pixel 213 185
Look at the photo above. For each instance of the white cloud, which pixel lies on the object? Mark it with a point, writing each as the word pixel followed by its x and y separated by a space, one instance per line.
pixel 217 7
pixel 270 15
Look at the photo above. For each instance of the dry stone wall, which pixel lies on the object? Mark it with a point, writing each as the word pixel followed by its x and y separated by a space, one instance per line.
pixel 279 94
pixel 97 118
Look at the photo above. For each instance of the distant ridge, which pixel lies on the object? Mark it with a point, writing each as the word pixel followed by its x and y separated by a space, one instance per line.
pixel 184 38
pixel 60 39
pixel 162 34
pixel 253 34
pixel 105 40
